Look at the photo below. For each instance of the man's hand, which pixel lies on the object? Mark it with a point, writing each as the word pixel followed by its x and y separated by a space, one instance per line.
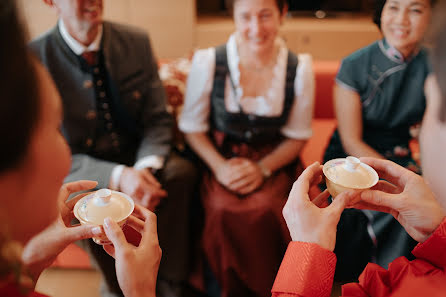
pixel 136 267
pixel 41 251
pixel 406 196
pixel 142 186
pixel 306 220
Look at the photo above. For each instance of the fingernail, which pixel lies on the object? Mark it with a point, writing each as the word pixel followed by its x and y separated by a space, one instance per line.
pixel 96 230
pixel 107 222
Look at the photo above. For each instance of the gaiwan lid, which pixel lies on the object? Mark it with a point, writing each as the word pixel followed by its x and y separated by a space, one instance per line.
pixel 94 208
pixel 350 173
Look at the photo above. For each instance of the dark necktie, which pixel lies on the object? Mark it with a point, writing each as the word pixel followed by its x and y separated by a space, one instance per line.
pixel 90 57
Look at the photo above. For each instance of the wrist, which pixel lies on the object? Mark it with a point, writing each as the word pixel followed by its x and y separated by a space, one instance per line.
pixel 153 171
pixel 115 177
pixel 214 166
pixel 147 292
pixel 266 172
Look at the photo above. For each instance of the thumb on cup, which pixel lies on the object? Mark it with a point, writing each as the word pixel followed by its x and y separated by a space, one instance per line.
pixel 114 233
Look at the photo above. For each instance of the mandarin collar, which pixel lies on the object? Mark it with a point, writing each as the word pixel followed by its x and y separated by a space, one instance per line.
pixel 395 55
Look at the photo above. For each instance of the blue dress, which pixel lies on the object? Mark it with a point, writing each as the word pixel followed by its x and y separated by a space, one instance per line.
pixel 391 91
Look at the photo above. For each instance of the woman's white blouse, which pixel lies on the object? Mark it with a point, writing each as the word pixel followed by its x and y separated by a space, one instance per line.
pixel 196 109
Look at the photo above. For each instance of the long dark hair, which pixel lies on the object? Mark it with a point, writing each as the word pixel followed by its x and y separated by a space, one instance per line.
pixel 378 9
pixel 437 39
pixel 19 92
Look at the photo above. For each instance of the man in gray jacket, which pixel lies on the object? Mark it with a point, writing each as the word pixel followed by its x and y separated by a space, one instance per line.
pixel 117 126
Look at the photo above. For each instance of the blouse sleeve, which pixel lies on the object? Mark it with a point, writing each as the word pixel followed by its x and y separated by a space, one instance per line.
pixel 347 76
pixel 301 114
pixel 196 109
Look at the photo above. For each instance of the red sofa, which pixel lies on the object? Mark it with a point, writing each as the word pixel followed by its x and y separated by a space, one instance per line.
pixel 174 73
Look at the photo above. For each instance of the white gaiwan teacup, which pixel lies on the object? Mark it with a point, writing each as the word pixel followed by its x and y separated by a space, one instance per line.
pixel 95 207
pixel 349 173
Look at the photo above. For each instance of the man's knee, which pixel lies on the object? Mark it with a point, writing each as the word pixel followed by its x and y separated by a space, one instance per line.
pixel 178 169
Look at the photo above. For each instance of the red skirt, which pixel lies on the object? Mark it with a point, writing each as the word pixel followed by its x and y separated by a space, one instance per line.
pixel 245 237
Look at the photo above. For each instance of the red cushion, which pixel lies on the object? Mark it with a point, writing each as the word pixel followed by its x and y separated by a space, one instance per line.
pixel 73 257
pixel 325 73
pixel 315 147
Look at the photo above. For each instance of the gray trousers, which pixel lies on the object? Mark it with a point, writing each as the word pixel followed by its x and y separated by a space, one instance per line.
pixel 178 178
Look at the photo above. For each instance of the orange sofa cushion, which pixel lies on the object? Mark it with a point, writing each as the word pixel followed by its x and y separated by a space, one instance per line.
pixel 325 73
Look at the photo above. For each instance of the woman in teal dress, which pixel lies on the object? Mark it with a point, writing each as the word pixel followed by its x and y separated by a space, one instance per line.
pixel 379 97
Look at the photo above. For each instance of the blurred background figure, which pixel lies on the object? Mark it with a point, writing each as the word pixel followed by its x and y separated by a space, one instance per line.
pixel 418 204
pixel 34 217
pixel 379 97
pixel 247 115
pixel 118 129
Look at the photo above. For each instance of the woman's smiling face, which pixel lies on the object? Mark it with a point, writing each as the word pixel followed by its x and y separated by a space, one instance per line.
pixel 257 23
pixel 404 23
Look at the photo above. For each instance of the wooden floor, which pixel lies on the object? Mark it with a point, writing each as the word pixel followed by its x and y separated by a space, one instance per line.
pixel 58 282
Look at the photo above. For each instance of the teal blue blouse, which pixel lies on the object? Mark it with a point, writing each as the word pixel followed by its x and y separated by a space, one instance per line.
pixel 391 89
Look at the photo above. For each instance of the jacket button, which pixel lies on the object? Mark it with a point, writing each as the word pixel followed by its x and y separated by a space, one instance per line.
pixel 90 115
pixel 88 84
pixel 136 95
pixel 89 142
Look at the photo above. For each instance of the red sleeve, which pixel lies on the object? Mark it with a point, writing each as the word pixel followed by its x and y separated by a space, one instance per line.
pixel 12 290
pixel 433 250
pixel 307 269
pixel 404 275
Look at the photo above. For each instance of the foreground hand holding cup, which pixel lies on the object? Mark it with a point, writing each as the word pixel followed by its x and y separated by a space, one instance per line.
pixel 136 267
pixel 41 251
pixel 306 221
pixel 406 196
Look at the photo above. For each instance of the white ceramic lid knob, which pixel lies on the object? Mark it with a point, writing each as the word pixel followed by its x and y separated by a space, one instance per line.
pixel 351 164
pixel 102 197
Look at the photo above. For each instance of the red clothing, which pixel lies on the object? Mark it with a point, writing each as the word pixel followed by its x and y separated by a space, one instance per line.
pixel 11 290
pixel 307 270
pixel 245 237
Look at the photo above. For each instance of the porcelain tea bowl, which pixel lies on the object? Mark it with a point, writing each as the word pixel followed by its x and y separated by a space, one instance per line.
pixel 95 207
pixel 348 173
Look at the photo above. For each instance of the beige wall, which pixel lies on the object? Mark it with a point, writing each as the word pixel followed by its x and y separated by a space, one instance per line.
pixel 175 31
pixel 170 23
pixel 327 39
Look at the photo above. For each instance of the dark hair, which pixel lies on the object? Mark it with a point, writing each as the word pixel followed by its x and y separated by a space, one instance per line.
pixel 437 38
pixel 19 104
pixel 378 9
pixel 230 5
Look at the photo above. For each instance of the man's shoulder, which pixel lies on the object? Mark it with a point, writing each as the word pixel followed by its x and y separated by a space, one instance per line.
pixel 125 31
pixel 42 40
